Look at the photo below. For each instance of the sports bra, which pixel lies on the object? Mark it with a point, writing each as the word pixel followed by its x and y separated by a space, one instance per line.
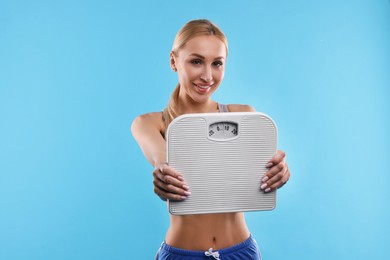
pixel 223 108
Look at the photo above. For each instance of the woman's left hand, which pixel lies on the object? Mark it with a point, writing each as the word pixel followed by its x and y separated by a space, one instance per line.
pixel 278 173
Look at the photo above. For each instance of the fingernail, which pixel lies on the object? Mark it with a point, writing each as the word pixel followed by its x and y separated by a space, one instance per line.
pixel 265 179
pixel 186 187
pixel 267 190
pixel 269 164
pixel 187 193
pixel 263 186
pixel 180 177
pixel 183 197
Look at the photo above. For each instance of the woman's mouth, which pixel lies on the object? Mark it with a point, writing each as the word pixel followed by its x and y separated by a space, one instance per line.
pixel 202 89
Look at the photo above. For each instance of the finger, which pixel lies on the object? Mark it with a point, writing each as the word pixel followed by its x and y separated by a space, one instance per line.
pixel 170 180
pixel 167 170
pixel 273 177
pixel 274 170
pixel 169 184
pixel 174 176
pixel 277 158
pixel 279 183
pixel 166 195
pixel 170 188
pixel 286 176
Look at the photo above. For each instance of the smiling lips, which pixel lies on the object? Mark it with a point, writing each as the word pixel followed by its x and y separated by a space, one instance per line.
pixel 202 88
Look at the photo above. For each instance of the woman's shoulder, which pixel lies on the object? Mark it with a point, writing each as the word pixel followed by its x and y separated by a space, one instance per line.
pixel 240 108
pixel 153 119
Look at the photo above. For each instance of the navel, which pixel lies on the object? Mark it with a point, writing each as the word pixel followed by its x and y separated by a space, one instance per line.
pixel 214 242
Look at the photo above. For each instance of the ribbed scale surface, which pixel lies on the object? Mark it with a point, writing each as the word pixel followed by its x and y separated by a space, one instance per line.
pixel 224 176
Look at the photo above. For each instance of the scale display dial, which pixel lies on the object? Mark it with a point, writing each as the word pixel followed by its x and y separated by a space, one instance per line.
pixel 223 130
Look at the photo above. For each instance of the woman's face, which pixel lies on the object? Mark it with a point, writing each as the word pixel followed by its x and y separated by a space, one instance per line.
pixel 200 66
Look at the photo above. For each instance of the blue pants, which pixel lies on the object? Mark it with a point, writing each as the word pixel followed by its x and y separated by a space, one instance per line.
pixel 246 250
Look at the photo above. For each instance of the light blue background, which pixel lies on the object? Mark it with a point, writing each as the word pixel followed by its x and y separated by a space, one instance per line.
pixel 74 74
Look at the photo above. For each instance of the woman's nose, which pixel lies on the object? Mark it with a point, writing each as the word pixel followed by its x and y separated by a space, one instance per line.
pixel 207 74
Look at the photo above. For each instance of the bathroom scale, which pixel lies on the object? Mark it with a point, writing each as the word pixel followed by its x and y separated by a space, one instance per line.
pixel 222 157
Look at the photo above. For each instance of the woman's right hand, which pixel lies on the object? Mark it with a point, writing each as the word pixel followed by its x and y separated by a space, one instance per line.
pixel 169 184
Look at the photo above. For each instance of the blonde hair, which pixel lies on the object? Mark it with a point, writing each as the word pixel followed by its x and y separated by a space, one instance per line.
pixel 190 30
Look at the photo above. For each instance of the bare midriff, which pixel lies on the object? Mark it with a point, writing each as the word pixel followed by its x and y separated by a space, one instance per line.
pixel 201 232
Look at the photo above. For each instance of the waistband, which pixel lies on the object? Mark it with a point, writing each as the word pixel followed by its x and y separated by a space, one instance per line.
pixel 250 241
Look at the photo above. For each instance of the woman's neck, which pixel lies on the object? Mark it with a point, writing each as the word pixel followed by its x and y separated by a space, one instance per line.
pixel 190 106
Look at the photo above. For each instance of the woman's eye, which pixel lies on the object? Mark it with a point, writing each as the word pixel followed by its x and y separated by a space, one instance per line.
pixel 218 63
pixel 196 62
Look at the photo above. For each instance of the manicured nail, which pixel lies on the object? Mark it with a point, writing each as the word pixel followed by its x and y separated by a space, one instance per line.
pixel 267 190
pixel 186 187
pixel 265 178
pixel 183 197
pixel 263 186
pixel 269 164
pixel 187 193
pixel 180 177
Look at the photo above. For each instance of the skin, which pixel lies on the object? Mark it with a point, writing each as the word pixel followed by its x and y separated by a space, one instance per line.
pixel 201 62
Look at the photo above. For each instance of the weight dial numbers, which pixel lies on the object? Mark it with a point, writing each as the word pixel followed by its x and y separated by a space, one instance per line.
pixel 223 130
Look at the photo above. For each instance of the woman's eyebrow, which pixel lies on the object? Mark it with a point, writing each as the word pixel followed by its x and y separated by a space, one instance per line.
pixel 202 57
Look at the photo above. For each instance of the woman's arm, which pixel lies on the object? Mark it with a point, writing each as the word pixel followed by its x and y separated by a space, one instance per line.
pixel 146 131
pixel 168 183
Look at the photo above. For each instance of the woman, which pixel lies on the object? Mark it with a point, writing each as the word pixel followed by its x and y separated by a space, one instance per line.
pixel 198 56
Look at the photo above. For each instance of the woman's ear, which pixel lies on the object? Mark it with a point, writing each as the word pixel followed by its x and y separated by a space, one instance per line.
pixel 172 60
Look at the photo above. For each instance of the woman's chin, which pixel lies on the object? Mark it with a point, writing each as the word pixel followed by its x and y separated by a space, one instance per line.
pixel 201 98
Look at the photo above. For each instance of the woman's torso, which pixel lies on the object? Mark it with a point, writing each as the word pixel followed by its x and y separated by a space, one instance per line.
pixel 200 232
